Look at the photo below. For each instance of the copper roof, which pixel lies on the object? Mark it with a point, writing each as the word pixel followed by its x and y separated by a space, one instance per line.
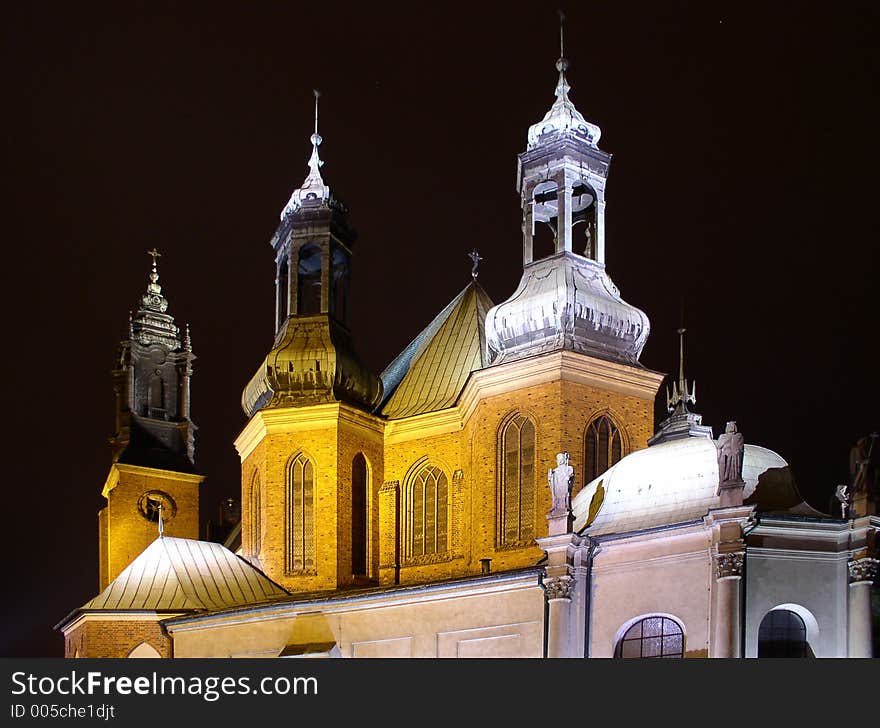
pixel 431 372
pixel 184 574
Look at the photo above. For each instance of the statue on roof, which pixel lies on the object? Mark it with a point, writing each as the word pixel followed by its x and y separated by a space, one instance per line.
pixel 730 446
pixel 561 479
pixel 861 469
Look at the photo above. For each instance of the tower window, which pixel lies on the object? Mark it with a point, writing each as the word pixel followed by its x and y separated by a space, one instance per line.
pixel 282 292
pixel 339 285
pixel 653 636
pixel 256 515
pixel 545 210
pixel 783 634
pixel 300 512
pixel 308 280
pixel 603 447
pixel 426 512
pixel 516 507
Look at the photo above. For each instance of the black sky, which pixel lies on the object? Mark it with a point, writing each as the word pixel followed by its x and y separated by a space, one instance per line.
pixel 743 181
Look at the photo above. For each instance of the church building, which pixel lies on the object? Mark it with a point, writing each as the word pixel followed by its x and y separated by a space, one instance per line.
pixel 499 490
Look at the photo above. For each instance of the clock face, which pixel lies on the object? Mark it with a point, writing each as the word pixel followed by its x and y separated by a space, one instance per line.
pixel 154 501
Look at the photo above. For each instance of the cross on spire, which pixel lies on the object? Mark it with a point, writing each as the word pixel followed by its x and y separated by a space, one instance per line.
pixel 680 393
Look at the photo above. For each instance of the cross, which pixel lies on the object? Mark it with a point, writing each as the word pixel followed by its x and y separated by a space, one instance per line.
pixel 155 254
pixel 476 258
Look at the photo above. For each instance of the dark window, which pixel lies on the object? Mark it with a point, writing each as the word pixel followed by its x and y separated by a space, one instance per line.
pixel 339 285
pixel 256 515
pixel 282 292
pixel 427 512
pixel 602 447
pixel 517 493
pixel 359 515
pixel 308 281
pixel 652 637
pixel 300 531
pixel 783 634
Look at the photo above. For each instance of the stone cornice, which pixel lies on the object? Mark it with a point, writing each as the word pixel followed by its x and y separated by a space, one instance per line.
pixel 113 616
pixel 293 419
pixel 117 468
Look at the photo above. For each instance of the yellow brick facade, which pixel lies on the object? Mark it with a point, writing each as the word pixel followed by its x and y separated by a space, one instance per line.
pixel 124 532
pixel 464 442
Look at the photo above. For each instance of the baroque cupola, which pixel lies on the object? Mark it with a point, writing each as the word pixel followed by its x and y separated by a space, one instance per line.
pixel 152 386
pixel 565 299
pixel 312 360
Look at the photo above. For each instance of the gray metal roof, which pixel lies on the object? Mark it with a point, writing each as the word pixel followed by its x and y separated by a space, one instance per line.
pixel 184 574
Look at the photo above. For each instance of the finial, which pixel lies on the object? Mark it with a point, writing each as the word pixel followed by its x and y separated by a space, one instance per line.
pixel 561 34
pixel 187 341
pixel 315 162
pixel 476 258
pixel 154 286
pixel 562 86
pixel 680 393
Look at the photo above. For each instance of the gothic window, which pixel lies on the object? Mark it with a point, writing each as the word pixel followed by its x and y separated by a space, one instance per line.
pixel 256 515
pixel 783 634
pixel 282 292
pixel 603 447
pixel 516 507
pixel 359 515
pixel 426 512
pixel 308 280
pixel 653 636
pixel 300 512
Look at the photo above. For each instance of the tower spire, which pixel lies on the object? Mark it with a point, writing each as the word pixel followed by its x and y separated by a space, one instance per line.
pixel 680 393
pixel 313 187
pixel 562 86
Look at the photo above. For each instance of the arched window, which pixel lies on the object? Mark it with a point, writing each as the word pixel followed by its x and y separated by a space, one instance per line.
pixel 783 634
pixel 516 507
pixel 308 280
pixel 359 515
pixel 653 636
pixel 545 209
pixel 156 397
pixel 603 447
pixel 426 512
pixel 256 515
pixel 300 510
pixel 144 650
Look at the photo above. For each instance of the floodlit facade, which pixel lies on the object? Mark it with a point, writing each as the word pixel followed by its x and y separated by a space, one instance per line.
pixel 500 490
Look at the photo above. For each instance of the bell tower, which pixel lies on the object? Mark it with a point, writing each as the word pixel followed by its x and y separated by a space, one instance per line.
pixel 154 441
pixel 311 452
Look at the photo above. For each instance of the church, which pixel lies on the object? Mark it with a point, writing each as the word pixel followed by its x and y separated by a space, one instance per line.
pixel 500 490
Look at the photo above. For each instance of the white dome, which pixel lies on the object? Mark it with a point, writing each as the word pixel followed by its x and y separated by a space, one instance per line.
pixel 672 482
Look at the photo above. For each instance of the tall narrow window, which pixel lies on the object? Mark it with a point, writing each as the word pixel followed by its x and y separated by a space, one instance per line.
pixel 308 280
pixel 282 292
pixel 783 634
pixel 516 505
pixel 602 447
pixel 300 510
pixel 426 514
pixel 652 637
pixel 359 515
pixel 256 515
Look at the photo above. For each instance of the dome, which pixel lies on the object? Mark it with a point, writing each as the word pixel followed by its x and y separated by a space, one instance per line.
pixel 568 302
pixel 563 117
pixel 675 482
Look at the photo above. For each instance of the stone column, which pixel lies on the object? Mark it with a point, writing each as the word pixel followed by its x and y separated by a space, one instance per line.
pixel 528 229
pixel 325 279
pixel 862 572
pixel 389 533
pixel 600 228
pixel 563 218
pixel 558 591
pixel 726 605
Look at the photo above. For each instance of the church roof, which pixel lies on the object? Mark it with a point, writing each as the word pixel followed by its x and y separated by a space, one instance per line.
pixel 185 574
pixel 675 482
pixel 430 373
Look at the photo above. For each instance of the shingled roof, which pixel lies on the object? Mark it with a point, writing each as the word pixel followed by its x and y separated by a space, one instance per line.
pixel 431 372
pixel 183 574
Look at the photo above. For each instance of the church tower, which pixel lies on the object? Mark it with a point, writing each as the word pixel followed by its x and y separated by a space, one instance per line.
pixel 154 442
pixel 567 316
pixel 311 452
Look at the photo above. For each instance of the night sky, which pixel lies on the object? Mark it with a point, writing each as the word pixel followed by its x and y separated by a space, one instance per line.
pixel 743 183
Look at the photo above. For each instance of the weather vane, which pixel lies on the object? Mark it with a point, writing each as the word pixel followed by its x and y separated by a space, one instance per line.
pixel 476 258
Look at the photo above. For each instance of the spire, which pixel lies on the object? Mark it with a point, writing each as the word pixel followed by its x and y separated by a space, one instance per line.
pixel 679 393
pixel 681 421
pixel 313 187
pixel 563 117
pixel 152 323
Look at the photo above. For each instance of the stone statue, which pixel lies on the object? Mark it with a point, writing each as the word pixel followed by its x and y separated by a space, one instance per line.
pixel 730 446
pixel 841 494
pixel 561 479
